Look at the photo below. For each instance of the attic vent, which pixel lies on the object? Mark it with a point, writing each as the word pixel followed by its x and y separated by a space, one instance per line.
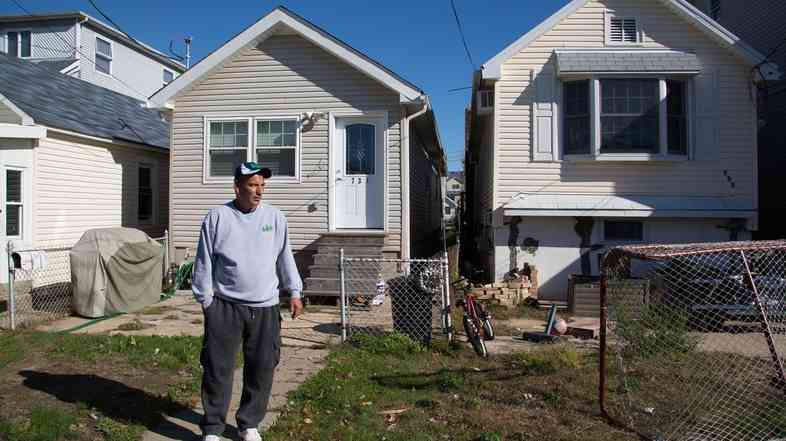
pixel 623 30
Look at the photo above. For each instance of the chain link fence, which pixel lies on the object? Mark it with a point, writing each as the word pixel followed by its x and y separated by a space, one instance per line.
pixel 693 341
pixel 380 296
pixel 39 286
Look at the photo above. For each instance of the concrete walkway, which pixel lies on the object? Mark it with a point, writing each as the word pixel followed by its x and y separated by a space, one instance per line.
pixel 304 347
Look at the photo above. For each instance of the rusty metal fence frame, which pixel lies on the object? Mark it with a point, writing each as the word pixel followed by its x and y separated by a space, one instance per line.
pixel 419 285
pixel 622 257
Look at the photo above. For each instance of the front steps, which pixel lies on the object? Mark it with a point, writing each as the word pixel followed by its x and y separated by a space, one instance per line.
pixel 324 278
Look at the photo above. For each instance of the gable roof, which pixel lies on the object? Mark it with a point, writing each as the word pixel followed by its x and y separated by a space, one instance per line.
pixel 62 102
pixel 56 65
pixel 492 69
pixel 265 27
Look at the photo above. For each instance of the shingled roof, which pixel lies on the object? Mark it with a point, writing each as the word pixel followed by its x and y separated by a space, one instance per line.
pixel 63 102
pixel 582 62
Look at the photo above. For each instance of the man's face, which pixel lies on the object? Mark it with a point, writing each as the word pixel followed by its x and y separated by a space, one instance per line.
pixel 248 191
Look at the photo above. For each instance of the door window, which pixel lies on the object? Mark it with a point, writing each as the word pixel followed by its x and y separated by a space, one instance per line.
pixel 360 149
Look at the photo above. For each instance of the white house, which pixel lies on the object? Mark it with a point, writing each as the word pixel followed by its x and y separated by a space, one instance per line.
pixel 612 122
pixel 354 148
pixel 75 156
pixel 81 46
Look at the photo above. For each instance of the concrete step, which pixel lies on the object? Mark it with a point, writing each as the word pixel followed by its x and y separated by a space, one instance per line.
pixel 325 260
pixel 352 240
pixel 353 286
pixel 324 271
pixel 349 250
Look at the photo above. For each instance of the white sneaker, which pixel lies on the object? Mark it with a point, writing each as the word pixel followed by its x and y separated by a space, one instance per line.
pixel 249 435
pixel 211 438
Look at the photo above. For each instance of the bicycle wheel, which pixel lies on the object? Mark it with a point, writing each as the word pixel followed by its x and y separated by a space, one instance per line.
pixel 488 328
pixel 472 335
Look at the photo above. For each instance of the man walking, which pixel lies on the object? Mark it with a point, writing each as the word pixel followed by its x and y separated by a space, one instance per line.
pixel 243 260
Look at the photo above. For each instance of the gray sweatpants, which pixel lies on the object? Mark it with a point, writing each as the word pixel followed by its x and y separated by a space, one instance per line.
pixel 228 324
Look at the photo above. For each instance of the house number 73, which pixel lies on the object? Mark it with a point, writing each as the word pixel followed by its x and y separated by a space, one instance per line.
pixel 358 180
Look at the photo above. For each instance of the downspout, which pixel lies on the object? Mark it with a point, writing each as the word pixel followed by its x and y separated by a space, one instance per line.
pixel 405 225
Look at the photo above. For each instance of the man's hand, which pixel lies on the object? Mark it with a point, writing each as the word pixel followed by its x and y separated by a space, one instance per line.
pixel 296 307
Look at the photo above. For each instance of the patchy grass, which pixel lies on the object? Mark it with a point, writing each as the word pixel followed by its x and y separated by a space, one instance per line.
pixel 394 389
pixel 135 325
pixel 88 387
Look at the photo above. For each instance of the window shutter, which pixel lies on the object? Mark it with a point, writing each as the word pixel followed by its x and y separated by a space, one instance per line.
pixel 707 103
pixel 615 30
pixel 544 116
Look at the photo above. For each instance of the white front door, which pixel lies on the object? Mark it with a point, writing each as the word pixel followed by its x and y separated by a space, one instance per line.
pixel 359 164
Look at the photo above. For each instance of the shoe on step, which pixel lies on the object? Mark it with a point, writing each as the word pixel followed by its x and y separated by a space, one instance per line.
pixel 250 435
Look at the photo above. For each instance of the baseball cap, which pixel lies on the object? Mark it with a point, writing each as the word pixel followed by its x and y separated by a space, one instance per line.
pixel 252 168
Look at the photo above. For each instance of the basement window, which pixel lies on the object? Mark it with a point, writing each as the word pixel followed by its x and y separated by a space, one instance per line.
pixel 623 231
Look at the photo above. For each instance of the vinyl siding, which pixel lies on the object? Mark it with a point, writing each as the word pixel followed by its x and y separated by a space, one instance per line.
pixel 55 39
pixel 133 73
pixel 8 116
pixel 80 185
pixel 515 173
pixel 284 75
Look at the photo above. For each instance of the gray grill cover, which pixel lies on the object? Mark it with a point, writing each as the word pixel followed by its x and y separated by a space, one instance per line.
pixel 115 270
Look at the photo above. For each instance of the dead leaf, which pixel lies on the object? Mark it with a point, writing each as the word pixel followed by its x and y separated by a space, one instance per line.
pixel 307 421
pixel 366 403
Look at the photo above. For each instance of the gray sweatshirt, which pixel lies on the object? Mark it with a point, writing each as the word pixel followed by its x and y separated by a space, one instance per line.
pixel 244 257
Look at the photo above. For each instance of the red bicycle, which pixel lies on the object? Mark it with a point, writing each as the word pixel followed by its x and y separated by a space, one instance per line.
pixel 476 319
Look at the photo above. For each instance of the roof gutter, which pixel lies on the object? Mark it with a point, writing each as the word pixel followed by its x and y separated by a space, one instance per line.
pixel 405 146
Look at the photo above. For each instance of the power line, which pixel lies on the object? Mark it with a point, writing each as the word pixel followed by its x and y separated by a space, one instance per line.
pixel 459 88
pixel 57 34
pixel 109 19
pixel 461 31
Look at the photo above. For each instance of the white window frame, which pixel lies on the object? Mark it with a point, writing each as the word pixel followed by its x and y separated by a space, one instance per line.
pixel 298 124
pixel 251 146
pixel 22 204
pixel 595 121
pixel 153 194
pixel 644 231
pixel 607 31
pixel 105 57
pixel 18 42
pixel 162 76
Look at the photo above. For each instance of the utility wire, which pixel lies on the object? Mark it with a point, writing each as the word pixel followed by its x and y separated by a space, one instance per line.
pixel 461 31
pixel 459 88
pixel 109 19
pixel 87 57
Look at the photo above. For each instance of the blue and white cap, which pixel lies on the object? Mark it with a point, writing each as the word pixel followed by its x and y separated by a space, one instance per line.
pixel 252 168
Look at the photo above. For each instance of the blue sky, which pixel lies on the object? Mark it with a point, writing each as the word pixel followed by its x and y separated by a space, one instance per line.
pixel 417 39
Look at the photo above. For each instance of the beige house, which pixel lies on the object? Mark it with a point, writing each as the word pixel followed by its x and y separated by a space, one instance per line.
pixel 75 156
pixel 354 148
pixel 612 122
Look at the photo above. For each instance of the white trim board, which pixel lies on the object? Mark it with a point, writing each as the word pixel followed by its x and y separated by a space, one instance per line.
pixel 492 69
pixel 264 28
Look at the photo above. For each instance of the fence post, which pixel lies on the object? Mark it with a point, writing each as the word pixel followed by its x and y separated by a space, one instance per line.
pixel 604 317
pixel 11 295
pixel 446 318
pixel 343 296
pixel 765 323
pixel 166 253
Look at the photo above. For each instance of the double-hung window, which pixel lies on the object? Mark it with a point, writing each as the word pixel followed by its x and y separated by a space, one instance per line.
pixel 167 76
pixel 272 142
pixel 276 146
pixel 625 118
pixel 14 208
pixel 19 44
pixel 103 56
pixel 227 144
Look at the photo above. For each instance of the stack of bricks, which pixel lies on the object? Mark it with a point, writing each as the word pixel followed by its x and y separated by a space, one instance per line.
pixel 505 293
